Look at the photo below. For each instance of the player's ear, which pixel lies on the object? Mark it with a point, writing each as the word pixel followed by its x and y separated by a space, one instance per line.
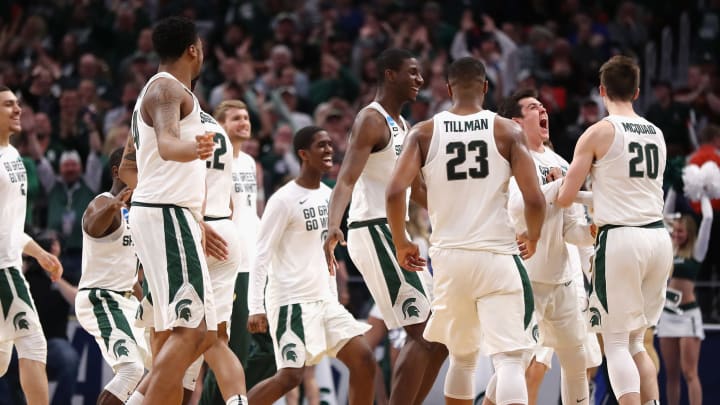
pixel 303 155
pixel 637 94
pixel 449 89
pixel 485 87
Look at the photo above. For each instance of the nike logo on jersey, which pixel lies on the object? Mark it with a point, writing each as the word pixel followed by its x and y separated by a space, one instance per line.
pixel 303 201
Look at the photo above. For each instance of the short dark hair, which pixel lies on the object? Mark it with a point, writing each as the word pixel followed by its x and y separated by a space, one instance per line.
pixel 172 36
pixel 466 70
pixel 303 139
pixel 392 59
pixel 4 88
pixel 116 157
pixel 510 107
pixel 621 78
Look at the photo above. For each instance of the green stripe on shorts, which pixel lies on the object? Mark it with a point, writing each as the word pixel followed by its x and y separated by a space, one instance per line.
pixel 6 294
pixel 282 323
pixel 296 324
pixel 192 262
pixel 411 277
pixel 599 278
pixel 20 287
pixel 117 314
pixel 172 255
pixel 392 280
pixel 527 291
pixel 103 320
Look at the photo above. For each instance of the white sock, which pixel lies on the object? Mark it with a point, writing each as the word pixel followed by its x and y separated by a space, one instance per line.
pixel 237 400
pixel 135 399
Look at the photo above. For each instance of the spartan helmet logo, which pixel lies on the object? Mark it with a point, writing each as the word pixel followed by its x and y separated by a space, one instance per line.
pixel 20 322
pixel 119 349
pixel 595 318
pixel 288 353
pixel 409 309
pixel 182 309
pixel 536 333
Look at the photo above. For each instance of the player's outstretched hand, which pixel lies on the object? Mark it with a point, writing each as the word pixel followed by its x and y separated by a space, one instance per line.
pixel 51 264
pixel 121 200
pixel 257 323
pixel 334 237
pixel 408 255
pixel 205 145
pixel 527 247
pixel 215 245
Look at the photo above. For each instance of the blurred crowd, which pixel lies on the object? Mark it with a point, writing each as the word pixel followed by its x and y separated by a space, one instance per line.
pixel 78 66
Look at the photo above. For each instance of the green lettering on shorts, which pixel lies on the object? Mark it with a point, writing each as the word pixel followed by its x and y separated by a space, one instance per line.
pixel 527 291
pixel 599 278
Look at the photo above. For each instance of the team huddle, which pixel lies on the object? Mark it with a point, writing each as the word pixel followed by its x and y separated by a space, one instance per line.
pixel 514 244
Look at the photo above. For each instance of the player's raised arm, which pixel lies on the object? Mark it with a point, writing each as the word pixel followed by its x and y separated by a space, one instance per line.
pixel 369 130
pixel 102 216
pixel 583 159
pixel 128 165
pixel 404 174
pixel 163 103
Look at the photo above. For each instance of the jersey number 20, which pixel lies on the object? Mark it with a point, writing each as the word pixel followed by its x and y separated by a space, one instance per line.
pixel 460 150
pixel 650 156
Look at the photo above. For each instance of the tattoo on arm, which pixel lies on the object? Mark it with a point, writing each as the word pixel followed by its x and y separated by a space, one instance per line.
pixel 165 101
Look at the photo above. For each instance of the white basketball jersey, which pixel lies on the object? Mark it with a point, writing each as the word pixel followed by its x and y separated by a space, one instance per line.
pixel 109 262
pixel 167 182
pixel 13 200
pixel 245 215
pixel 219 178
pixel 368 197
pixel 627 181
pixel 467 185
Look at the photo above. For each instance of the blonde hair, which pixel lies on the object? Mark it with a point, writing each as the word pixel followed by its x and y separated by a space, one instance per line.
pixel 686 250
pixel 226 105
pixel 110 144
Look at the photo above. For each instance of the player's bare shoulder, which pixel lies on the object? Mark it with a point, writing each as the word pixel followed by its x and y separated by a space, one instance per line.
pixel 370 128
pixel 163 96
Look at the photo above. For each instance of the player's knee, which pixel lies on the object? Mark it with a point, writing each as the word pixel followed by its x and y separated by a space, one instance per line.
pixel 572 359
pixel 290 377
pixel 126 378
pixel 32 347
pixel 460 378
pixel 637 342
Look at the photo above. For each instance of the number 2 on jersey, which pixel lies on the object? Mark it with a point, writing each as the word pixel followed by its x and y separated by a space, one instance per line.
pixel 219 151
pixel 651 157
pixel 460 149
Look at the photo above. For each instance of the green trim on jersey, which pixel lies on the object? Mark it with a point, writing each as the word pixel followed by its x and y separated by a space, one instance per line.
pixel 599 278
pixel 192 261
pixel 296 325
pixel 411 277
pixel 20 287
pixel 527 291
pixel 172 255
pixel 6 293
pixel 102 318
pixel 392 280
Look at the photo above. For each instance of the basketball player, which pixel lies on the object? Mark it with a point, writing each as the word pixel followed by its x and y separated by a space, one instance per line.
pixel 20 324
pixel 559 317
pixel 479 279
pixel 625 155
pixel 167 207
pixel 105 305
pixel 375 143
pixel 301 309
pixel 233 116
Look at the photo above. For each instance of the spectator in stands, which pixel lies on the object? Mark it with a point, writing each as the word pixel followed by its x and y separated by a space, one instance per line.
pixel 66 203
pixel 671 117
